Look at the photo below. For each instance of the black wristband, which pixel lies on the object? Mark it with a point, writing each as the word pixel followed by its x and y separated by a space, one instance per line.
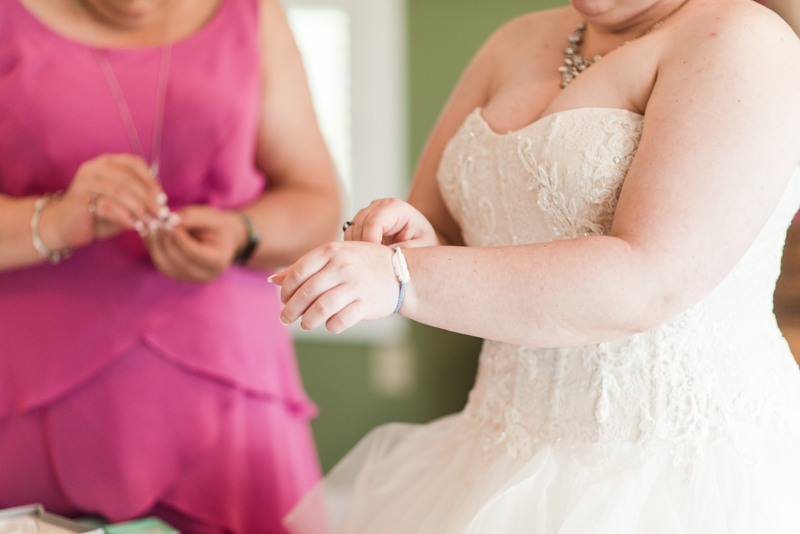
pixel 253 239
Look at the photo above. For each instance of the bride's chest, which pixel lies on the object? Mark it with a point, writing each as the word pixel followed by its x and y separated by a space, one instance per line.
pixel 557 178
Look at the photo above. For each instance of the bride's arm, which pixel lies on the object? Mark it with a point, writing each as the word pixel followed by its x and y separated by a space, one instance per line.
pixel 718 147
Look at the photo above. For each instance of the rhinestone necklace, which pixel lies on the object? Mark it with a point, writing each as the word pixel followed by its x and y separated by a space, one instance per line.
pixel 574 64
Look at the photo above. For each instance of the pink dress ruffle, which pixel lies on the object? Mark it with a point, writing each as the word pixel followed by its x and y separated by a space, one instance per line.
pixel 146 432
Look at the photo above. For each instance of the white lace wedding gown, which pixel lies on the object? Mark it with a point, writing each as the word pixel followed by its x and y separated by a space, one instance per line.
pixel 693 427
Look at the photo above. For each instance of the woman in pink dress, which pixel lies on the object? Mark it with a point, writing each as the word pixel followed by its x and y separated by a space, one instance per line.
pixel 148 373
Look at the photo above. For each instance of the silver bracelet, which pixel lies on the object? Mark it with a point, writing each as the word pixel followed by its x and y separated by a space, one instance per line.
pixel 53 256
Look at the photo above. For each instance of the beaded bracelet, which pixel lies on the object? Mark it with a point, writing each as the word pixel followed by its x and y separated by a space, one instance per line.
pixel 401 271
pixel 53 256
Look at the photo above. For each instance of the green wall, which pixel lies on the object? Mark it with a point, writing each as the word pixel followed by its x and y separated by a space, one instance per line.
pixel 442 37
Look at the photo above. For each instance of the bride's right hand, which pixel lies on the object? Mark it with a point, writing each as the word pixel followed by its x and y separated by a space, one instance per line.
pixel 390 221
pixel 120 191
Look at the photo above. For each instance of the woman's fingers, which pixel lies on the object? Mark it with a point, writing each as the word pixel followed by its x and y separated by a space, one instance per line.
pixel 388 217
pixel 174 261
pixel 307 294
pixel 305 268
pixel 209 238
pixel 390 221
pixel 114 182
pixel 192 261
pixel 327 280
pixel 191 248
pixel 110 210
pixel 202 246
pixel 199 219
pixel 121 179
pixel 348 317
pixel 277 278
pixel 159 256
pixel 326 305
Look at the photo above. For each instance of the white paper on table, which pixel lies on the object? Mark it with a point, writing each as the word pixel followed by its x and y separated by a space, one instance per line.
pixel 29 525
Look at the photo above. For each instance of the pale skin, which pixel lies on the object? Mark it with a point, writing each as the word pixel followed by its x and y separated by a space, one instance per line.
pixel 789 10
pixel 299 211
pixel 721 139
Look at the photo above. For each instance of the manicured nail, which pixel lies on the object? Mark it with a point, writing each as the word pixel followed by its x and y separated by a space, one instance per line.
pixel 283 321
pixel 161 199
pixel 172 221
pixel 152 225
pixel 140 227
pixel 271 278
pixel 163 213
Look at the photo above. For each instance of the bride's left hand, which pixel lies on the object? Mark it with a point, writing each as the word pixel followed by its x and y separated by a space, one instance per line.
pixel 339 284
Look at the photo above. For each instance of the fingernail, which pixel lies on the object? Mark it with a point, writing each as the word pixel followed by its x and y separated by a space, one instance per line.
pixel 283 300
pixel 271 278
pixel 161 198
pixel 140 227
pixel 172 221
pixel 283 321
pixel 152 225
pixel 163 213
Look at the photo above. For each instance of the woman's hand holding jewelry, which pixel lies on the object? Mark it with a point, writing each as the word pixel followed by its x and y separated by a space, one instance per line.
pixel 339 284
pixel 109 194
pixel 201 247
pixel 391 221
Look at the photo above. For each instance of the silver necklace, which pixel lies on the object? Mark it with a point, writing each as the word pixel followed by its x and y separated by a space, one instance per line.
pixel 125 112
pixel 574 63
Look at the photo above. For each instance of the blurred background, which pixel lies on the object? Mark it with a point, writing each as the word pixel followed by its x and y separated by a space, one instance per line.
pixel 380 72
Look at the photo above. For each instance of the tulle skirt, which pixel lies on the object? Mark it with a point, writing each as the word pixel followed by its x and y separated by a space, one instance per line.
pixel 444 478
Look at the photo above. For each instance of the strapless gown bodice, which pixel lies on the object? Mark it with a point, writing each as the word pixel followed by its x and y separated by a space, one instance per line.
pixel 722 361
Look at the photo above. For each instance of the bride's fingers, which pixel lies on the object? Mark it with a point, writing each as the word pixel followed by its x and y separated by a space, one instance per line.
pixel 408 233
pixel 328 304
pixel 305 268
pixel 382 219
pixel 277 278
pixel 306 295
pixel 383 225
pixel 347 318
pixel 358 223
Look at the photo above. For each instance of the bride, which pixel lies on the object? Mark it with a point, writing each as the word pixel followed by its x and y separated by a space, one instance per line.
pixel 604 200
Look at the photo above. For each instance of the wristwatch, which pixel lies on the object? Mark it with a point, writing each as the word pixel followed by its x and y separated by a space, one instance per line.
pixel 253 239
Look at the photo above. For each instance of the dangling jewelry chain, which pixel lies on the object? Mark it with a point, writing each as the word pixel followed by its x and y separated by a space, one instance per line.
pixel 125 112
pixel 574 63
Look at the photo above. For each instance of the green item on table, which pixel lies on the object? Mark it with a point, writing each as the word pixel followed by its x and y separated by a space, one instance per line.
pixel 148 525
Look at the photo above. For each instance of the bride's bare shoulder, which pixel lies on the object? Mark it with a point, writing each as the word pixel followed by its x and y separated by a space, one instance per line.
pixel 734 27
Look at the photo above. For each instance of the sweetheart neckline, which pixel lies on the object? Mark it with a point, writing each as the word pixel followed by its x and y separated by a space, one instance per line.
pixel 478 112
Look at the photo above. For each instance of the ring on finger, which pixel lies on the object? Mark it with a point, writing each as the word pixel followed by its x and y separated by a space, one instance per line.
pixel 92 207
pixel 347 225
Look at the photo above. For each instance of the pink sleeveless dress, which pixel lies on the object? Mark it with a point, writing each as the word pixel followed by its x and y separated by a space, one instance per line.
pixel 122 391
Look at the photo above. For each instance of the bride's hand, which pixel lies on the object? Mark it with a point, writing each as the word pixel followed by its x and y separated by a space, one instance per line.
pixel 339 284
pixel 391 221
